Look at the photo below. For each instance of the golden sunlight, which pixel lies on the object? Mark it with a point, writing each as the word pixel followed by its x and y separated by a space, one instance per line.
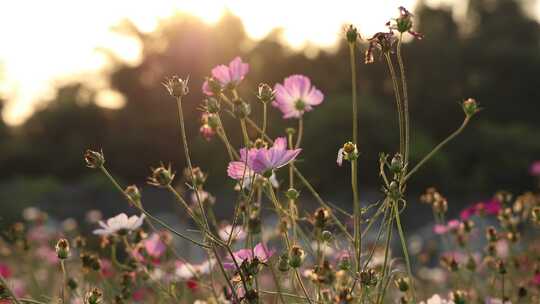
pixel 46 43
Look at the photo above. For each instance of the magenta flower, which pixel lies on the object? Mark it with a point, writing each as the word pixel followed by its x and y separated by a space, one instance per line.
pixel 154 246
pixel 273 158
pixel 535 168
pixel 261 160
pixel 5 271
pixel 491 207
pixel 442 229
pixel 296 96
pixel 228 76
pixel 247 255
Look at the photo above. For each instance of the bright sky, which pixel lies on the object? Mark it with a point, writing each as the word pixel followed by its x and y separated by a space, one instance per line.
pixel 47 42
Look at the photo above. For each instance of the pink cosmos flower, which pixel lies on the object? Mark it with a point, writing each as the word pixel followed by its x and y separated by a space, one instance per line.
pixel 259 251
pixel 273 158
pixel 154 246
pixel 228 76
pixel 237 234
pixel 262 160
pixel 491 207
pixel 296 96
pixel 5 271
pixel 535 168
pixel 442 229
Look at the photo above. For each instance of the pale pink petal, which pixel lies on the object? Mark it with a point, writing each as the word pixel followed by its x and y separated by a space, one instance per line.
pixel 315 97
pixel 221 74
pixel 206 88
pixel 339 160
pixel 238 69
pixel 237 169
pixel 280 143
pixel 287 157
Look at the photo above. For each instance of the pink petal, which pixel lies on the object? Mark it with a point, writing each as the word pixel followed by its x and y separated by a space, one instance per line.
pixel 280 143
pixel 237 169
pixel 206 88
pixel 315 97
pixel 238 69
pixel 221 73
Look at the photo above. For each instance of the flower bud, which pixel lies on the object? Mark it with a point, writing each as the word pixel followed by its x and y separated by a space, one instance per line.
pixel 470 264
pixel 297 256
pixel 352 34
pixel 402 284
pixel 62 249
pixel 241 109
pixel 292 194
pixel 290 131
pixel 396 164
pixel 326 236
pixel 207 132
pixel 470 107
pixel 491 234
pixel 176 86
pixel 133 194
pixel 212 105
pixel 94 159
pixel 368 277
pixel 198 175
pixel 214 85
pixel 266 93
pixel 283 263
pixel 321 217
pixel 161 177
pixel 72 284
pixel 459 297
pixel 501 267
pixel 93 297
pixel 345 262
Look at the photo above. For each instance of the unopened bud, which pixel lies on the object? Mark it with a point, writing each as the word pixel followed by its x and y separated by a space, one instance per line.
pixel 94 159
pixel 133 194
pixel 326 236
pixel 212 105
pixel 296 257
pixel 241 109
pixel 93 297
pixel 292 194
pixel 459 297
pixel 321 217
pixel 161 177
pixel 470 107
pixel 501 267
pixel 368 277
pixel 214 86
pixel 283 263
pixel 491 234
pixel 352 34
pixel 396 164
pixel 266 93
pixel 402 284
pixel 62 249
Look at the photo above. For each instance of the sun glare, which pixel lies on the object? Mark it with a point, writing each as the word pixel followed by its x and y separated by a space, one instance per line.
pixel 48 42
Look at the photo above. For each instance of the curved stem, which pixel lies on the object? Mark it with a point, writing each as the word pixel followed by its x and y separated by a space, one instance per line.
pixel 244 132
pixel 265 119
pixel 160 222
pixel 188 161
pixel 398 103
pixel 223 135
pixel 437 148
pixel 405 250
pixel 300 132
pixel 405 98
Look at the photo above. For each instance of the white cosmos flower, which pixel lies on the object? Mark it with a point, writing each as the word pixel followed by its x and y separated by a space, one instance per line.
pixel 238 234
pixel 186 271
pixel 436 299
pixel 120 223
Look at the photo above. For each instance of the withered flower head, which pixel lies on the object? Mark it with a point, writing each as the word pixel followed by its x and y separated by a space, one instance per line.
pixel 94 159
pixel 161 176
pixel 177 86
pixel 383 41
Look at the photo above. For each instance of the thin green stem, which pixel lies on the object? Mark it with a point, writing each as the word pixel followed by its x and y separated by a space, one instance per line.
pixel 437 148
pixel 64 280
pixel 352 48
pixel 188 161
pixel 405 250
pixel 357 216
pixel 225 138
pixel 380 294
pixel 265 119
pixel 155 219
pixel 398 103
pixel 244 132
pixel 300 132
pixel 405 98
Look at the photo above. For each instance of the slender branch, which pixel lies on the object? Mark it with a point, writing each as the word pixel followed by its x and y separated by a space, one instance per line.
pixel 398 103
pixel 437 148
pixel 405 250
pixel 300 132
pixel 405 98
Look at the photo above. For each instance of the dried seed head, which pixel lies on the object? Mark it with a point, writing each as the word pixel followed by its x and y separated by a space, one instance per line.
pixel 94 159
pixel 297 256
pixel 95 296
pixel 177 86
pixel 161 176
